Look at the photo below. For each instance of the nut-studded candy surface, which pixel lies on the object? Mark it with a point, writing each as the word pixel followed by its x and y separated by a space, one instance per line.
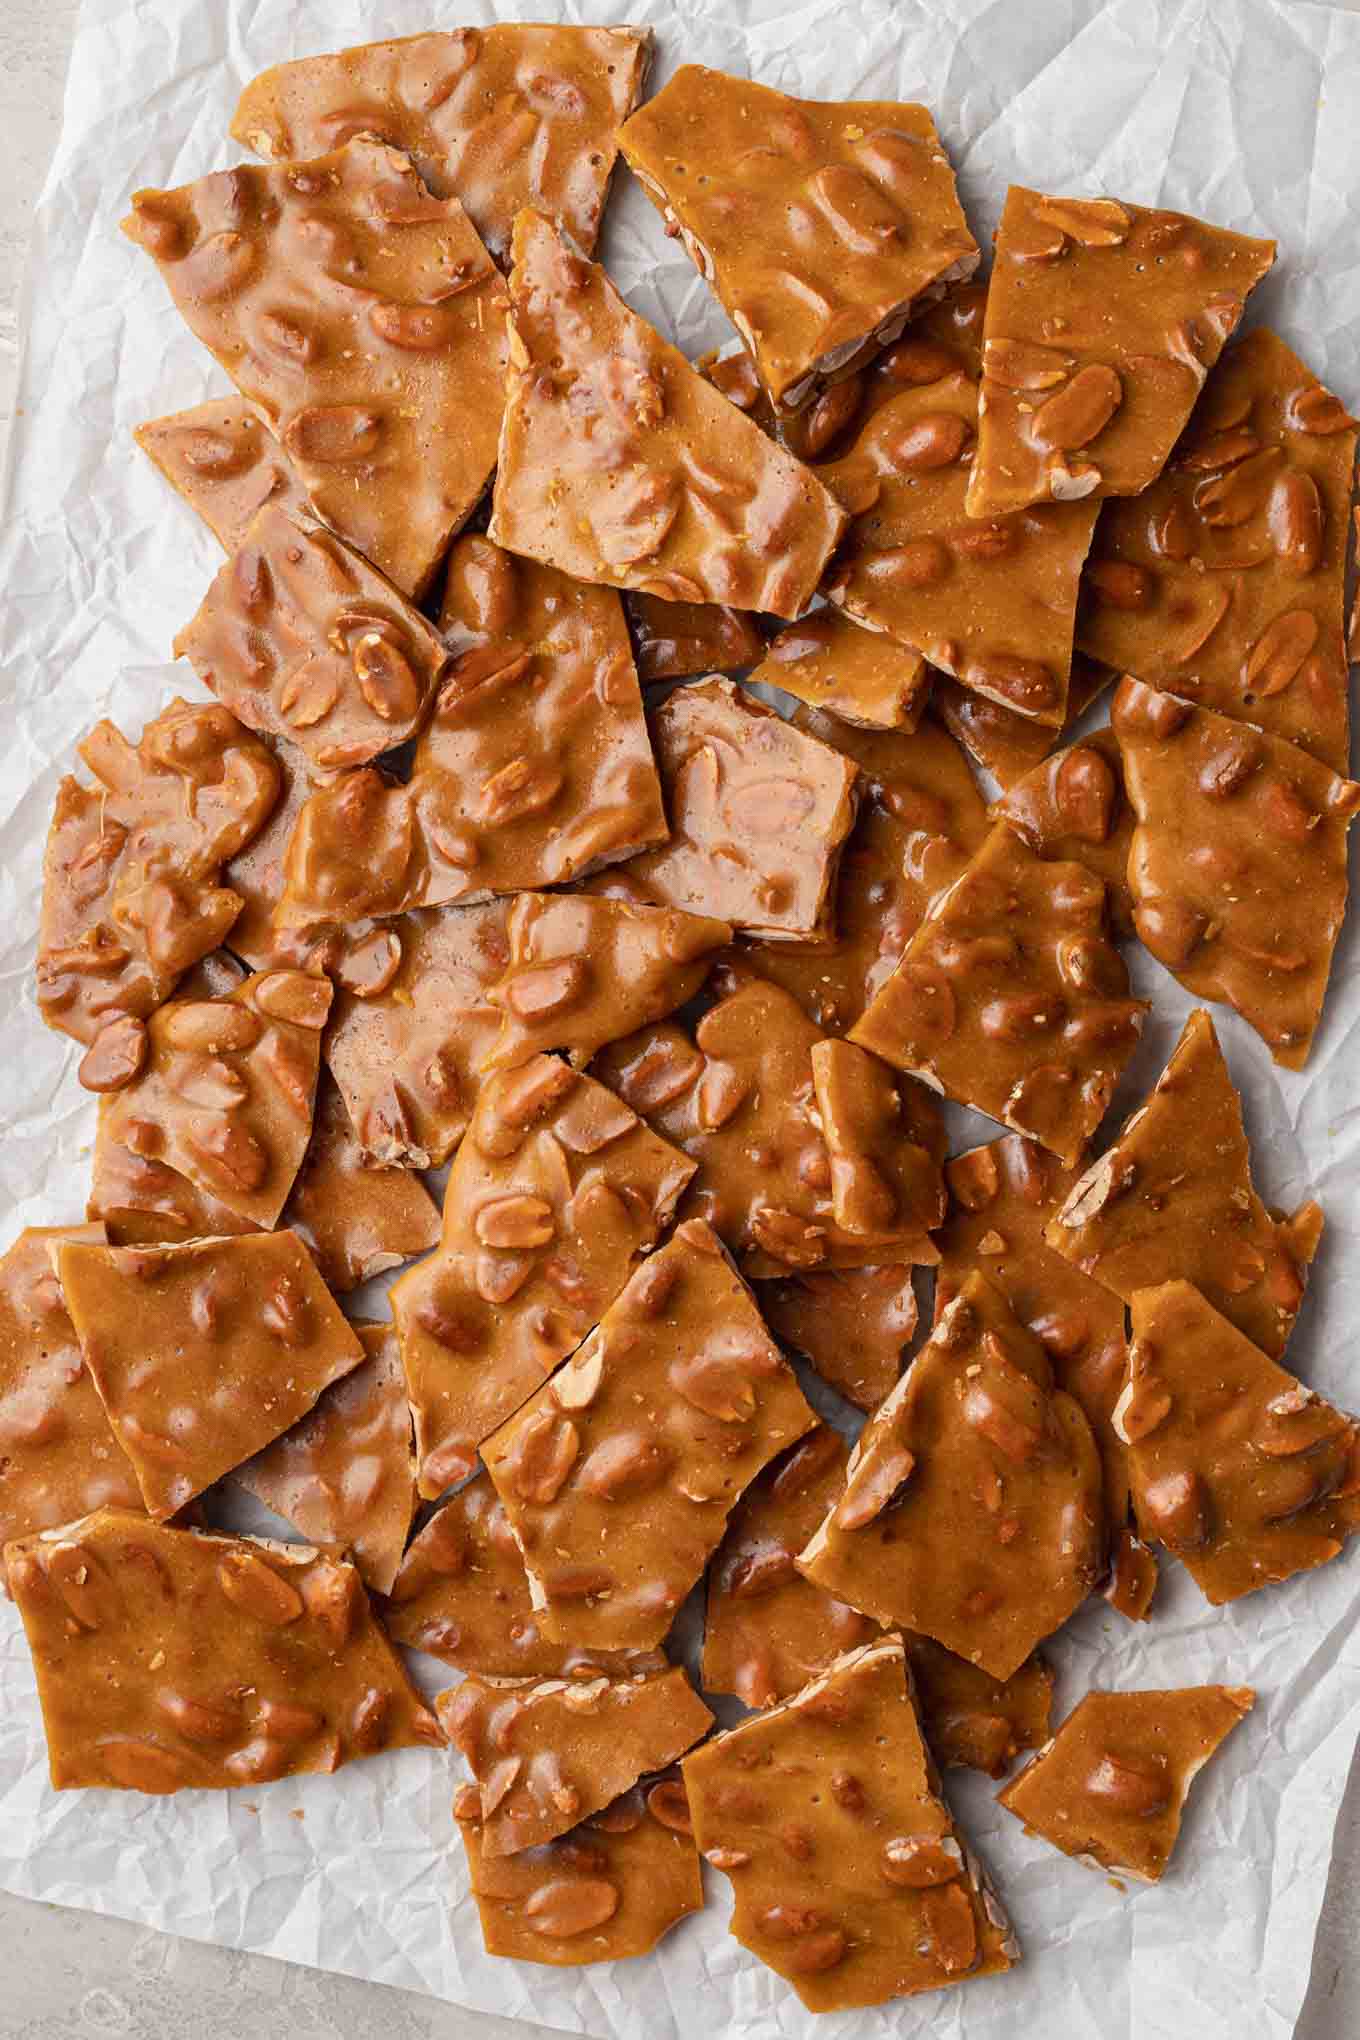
pixel 972 1721
pixel 818 225
pixel 172 1659
pixel 1172 1198
pixel 619 463
pixel 972 1508
pixel 853 1324
pixel 832 663
pixel 363 318
pixel 1238 862
pixel 848 1876
pixel 1111 1785
pixel 675 640
pixel 1073 807
pixel 203 1353
pixel 1006 744
pixel 1102 322
pixel 225 463
pixel 619 1474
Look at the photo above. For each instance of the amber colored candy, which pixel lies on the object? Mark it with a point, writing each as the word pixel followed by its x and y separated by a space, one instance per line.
pixel 832 663
pixel 1072 808
pixel 173 1659
pixel 224 463
pixel 677 640
pixel 853 1324
pixel 971 1720
pixel 849 1878
pixel 1006 744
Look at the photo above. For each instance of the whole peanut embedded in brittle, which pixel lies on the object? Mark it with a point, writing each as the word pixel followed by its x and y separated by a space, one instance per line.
pixel 1073 807
pixel 853 1324
pixel 831 663
pixel 224 463
pixel 971 1720
pixel 619 463
pixel 848 1876
pixel 1102 321
pixel 169 1659
pixel 677 640
pixel 1006 744
pixel 387 398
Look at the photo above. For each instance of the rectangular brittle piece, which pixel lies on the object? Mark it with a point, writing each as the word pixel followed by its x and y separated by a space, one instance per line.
pixel 830 662
pixel 679 640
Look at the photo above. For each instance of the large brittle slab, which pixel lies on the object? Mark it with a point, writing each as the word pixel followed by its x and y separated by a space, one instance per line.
pixel 387 399
pixel 225 463
pixel 1073 808
pixel 619 463
pixel 1011 997
pixel 1238 862
pixel 819 225
pixel 555 1191
pixel 169 1659
pixel 973 1505
pixel 1102 322
pixel 832 663
pixel 1225 579
pixel 675 640
pixel 1003 743
pixel 619 1474
pixel 848 1876
pixel 853 1324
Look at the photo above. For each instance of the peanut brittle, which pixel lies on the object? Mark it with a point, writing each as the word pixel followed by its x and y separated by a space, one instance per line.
pixel 554 1192
pixel 203 1353
pixel 853 1324
pixel 848 1877
pixel 303 639
pixel 606 1889
pixel 619 1474
pixel 973 1506
pixel 1072 807
pixel 1225 579
pixel 1010 997
pixel 1102 322
pixel 1172 1197
pixel 819 225
pixel 169 1659
pixel 1110 1787
pixel 674 640
pixel 130 893
pixel 1003 743
pixel 521 113
pixel 547 1755
pixel 1244 1474
pixel 58 1456
pixel 345 1475
pixel 387 399
pixel 619 463
pixel 225 464
pixel 971 1720
pixel 859 675
pixel 1238 862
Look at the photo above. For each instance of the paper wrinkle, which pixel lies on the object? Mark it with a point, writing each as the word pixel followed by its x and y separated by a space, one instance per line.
pixel 1240 109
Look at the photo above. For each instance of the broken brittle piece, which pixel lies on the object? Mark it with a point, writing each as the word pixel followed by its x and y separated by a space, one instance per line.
pixel 675 640
pixel 619 463
pixel 1244 1474
pixel 1110 1787
pixel 1073 807
pixel 972 1510
pixel 1006 744
pixel 169 1659
pixel 1172 1197
pixel 821 226
pixel 1102 322
pixel 853 1324
pixel 387 399
pixel 848 1876
pixel 203 1353
pixel 619 1474
pixel 547 1755
pixel 555 1191
pixel 1238 862
pixel 971 1720
pixel 225 464
pixel 832 663
pixel 1011 997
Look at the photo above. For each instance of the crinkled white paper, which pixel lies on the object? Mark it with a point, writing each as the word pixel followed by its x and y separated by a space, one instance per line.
pixel 1241 110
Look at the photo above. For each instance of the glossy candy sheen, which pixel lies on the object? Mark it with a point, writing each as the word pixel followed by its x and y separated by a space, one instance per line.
pixel 853 1325
pixel 859 675
pixel 224 463
pixel 677 640
pixel 1073 807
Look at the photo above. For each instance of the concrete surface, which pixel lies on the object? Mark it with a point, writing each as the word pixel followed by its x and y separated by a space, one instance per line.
pixel 71 1975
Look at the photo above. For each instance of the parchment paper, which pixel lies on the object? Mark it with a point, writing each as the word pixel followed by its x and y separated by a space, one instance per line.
pixel 1242 110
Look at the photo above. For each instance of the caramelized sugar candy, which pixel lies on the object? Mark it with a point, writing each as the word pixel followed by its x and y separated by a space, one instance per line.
pixel 606 1889
pixel 386 397
pixel 848 1876
pixel 859 675
pixel 1173 1197
pixel 759 811
pixel 1239 1470
pixel 619 463
pixel 225 463
pixel 819 226
pixel 973 1506
pixel 1102 322
pixel 58 1457
pixel 853 1324
pixel 555 1192
pixel 1011 997
pixel 1225 579
pixel 522 113
pixel 303 639
pixel 169 1659
pixel 407 1059
pixel 973 1721
pixel 1003 743
pixel 583 971
pixel 203 1353
pixel 1238 863
pixel 131 898
pixel 546 1755
pixel 1073 808
pixel 742 1100
pixel 1110 1787
pixel 619 1474
pixel 674 640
